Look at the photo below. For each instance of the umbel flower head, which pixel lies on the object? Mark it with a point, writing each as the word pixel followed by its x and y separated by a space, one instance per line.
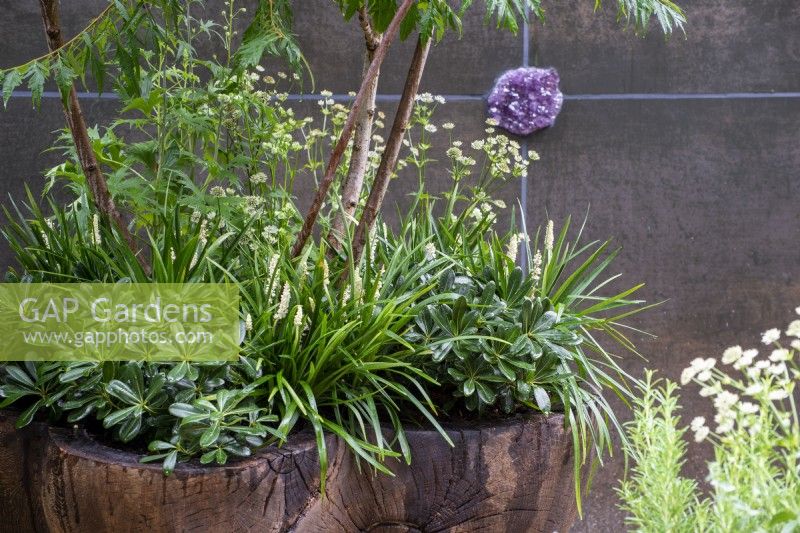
pixel 526 99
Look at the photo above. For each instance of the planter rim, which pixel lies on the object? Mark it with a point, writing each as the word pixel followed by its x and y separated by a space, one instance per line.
pixel 80 443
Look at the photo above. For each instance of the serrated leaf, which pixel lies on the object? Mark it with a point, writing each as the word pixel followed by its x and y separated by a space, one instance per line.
pixel 12 80
pixel 36 77
pixel 64 77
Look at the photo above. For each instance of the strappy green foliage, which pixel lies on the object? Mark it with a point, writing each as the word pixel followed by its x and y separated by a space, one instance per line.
pixel 436 319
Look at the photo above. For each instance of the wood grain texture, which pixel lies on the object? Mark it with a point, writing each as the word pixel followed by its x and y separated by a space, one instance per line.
pixel 514 476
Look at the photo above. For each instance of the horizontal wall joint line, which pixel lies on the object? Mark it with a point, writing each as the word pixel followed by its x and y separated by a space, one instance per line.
pixel 481 97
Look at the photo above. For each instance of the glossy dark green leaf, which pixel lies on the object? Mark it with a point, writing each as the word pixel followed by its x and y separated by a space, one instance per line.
pixel 122 392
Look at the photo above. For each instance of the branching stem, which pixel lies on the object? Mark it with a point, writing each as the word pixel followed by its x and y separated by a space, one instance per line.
pixel 349 126
pixel 388 162
pixel 362 136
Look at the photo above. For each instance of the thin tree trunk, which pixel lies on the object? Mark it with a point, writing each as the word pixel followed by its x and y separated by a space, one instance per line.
pixel 388 162
pixel 80 137
pixel 347 129
pixel 354 181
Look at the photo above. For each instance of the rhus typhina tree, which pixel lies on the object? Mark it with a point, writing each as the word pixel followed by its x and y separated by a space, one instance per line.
pixel 427 22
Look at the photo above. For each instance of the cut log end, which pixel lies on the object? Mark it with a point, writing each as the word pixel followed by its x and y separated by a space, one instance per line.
pixel 514 475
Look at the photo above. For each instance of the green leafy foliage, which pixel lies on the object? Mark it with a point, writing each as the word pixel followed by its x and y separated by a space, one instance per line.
pixel 130 34
pixel 753 478
pixel 436 319
pixel 11 80
pixel 269 33
pixel 639 12
pixel 656 494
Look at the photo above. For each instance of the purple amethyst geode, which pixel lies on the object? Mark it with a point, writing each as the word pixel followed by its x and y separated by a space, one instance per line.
pixel 526 99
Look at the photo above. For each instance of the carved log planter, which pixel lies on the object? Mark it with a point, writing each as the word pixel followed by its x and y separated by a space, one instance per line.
pixel 513 475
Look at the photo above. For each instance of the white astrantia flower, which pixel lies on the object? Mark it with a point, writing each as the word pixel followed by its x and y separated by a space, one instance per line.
pixel 431 128
pixel 761 365
pixel 454 152
pixel 283 304
pixel 771 336
pixel 731 355
pixel 258 178
pixel 448 126
pixel 698 422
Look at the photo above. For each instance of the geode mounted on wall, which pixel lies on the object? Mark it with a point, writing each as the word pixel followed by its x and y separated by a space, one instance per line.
pixel 526 99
